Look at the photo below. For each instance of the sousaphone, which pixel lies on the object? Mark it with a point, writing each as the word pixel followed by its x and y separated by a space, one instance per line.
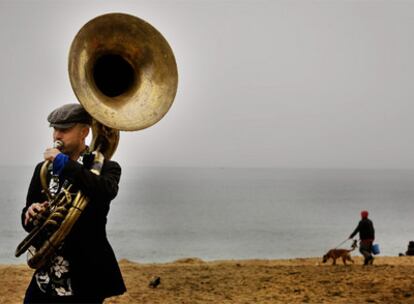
pixel 124 74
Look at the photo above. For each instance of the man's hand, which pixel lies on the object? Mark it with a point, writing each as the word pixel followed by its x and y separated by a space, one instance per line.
pixel 50 153
pixel 33 210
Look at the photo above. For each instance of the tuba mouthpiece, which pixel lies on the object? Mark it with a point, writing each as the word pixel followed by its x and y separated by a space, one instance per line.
pixel 58 144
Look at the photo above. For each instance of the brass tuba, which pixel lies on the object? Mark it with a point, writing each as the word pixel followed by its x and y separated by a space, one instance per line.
pixel 123 72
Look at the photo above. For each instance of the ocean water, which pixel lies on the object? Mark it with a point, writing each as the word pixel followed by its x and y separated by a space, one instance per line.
pixel 164 214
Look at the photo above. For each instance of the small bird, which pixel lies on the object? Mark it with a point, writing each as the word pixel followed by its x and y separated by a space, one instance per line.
pixel 155 281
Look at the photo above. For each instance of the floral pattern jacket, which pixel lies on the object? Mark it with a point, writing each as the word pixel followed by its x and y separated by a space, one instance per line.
pixel 54 279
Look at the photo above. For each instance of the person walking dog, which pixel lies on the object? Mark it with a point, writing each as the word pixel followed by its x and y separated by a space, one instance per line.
pixel 366 232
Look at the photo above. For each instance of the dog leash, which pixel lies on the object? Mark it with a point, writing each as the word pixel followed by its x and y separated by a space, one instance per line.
pixel 341 243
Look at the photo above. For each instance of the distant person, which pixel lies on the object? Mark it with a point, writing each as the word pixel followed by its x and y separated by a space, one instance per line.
pixel 366 236
pixel 410 250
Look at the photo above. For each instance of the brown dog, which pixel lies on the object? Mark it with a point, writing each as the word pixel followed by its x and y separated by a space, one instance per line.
pixel 339 253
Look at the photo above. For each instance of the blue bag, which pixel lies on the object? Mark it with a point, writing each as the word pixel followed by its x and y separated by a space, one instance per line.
pixel 375 249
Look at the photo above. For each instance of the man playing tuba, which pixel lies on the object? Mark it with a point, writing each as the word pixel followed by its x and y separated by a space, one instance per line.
pixel 84 268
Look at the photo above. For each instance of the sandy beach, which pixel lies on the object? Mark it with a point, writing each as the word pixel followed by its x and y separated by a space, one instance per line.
pixel 307 280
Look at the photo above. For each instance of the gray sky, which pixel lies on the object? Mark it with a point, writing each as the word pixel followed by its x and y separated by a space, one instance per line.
pixel 261 83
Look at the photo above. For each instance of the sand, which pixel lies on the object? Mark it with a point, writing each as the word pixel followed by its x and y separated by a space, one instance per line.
pixel 307 280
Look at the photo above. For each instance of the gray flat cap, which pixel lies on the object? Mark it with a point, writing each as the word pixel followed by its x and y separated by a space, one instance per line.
pixel 68 115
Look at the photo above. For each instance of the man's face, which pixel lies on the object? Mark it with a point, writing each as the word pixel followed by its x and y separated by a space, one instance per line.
pixel 72 138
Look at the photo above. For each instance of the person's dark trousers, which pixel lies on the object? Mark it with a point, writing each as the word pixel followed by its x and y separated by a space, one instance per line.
pixel 35 295
pixel 365 247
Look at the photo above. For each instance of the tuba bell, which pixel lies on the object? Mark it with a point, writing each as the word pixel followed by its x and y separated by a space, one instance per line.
pixel 123 72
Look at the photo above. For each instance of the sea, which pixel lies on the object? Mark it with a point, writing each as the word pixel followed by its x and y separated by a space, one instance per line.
pixel 165 214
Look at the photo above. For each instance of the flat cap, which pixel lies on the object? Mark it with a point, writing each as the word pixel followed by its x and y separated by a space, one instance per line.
pixel 68 115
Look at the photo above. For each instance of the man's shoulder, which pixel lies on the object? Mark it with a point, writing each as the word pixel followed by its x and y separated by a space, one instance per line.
pixel 111 165
pixel 111 162
pixel 38 166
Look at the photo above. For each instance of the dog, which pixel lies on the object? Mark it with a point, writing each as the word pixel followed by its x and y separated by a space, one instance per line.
pixel 340 253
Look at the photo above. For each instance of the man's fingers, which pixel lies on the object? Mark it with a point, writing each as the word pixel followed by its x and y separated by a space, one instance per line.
pixel 38 208
pixel 50 153
pixel 26 218
pixel 32 212
pixel 34 209
pixel 46 154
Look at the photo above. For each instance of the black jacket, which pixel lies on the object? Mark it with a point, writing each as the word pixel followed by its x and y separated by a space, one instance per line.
pixel 94 268
pixel 365 229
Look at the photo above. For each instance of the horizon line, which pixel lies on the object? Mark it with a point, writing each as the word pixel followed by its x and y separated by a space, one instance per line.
pixel 243 167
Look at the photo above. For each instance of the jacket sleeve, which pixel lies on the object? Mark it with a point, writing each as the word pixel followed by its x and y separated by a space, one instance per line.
pixel 355 231
pixel 34 195
pixel 96 187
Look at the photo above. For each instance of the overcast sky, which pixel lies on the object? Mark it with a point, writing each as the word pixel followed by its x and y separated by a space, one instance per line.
pixel 261 83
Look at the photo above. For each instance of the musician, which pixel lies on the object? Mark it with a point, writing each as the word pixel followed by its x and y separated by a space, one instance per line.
pixel 84 269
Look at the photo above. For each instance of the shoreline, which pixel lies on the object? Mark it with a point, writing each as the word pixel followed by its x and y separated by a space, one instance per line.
pixel 296 280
